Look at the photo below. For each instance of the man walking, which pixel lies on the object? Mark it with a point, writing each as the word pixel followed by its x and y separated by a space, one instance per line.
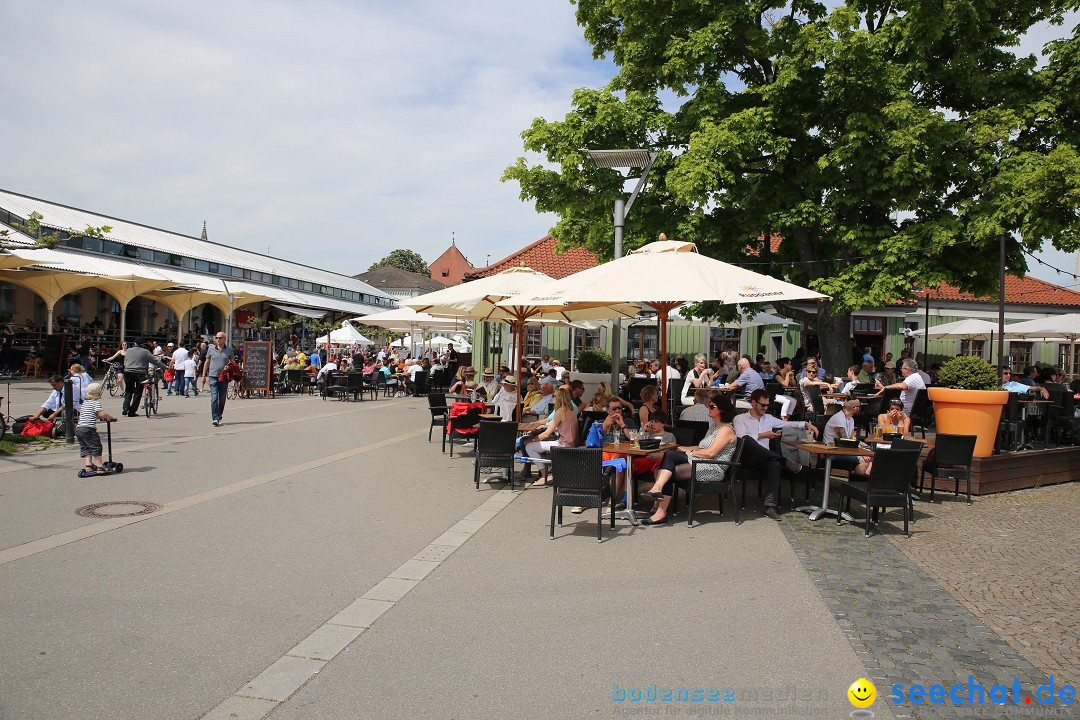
pixel 217 357
pixel 137 361
pixel 179 357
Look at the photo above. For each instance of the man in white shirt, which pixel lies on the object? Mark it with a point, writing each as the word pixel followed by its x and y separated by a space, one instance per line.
pixel 54 404
pixel 842 425
pixel 324 375
pixel 761 426
pixel 179 355
pixel 909 387
pixel 505 400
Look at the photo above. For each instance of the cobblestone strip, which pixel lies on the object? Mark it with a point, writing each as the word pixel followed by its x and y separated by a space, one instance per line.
pixel 1012 560
pixel 291 671
pixel 902 624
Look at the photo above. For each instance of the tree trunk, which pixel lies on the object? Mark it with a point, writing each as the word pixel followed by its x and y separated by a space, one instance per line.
pixel 834 340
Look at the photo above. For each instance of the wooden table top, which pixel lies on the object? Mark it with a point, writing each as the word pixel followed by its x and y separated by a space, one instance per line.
pixel 817 448
pixel 626 448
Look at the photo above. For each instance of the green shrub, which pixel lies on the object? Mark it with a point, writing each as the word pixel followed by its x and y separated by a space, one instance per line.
pixel 593 361
pixel 969 372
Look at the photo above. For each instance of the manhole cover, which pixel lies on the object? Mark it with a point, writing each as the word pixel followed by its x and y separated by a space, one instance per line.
pixel 118 508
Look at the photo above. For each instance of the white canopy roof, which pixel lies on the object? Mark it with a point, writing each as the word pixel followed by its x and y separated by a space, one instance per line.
pixel 344 335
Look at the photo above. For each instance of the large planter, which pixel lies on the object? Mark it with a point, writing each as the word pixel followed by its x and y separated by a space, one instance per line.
pixel 969 412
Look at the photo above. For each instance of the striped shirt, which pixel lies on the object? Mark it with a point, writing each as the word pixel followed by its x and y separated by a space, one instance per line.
pixel 88 415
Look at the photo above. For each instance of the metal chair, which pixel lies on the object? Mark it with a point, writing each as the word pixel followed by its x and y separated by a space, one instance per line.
pixel 869 409
pixel 578 479
pixel 732 475
pixel 888 485
pixel 495 448
pixel 951 458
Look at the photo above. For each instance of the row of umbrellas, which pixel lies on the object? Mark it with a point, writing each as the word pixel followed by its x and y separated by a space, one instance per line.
pixel 1055 328
pixel 663 275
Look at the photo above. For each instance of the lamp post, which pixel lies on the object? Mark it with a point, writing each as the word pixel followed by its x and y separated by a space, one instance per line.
pixel 618 159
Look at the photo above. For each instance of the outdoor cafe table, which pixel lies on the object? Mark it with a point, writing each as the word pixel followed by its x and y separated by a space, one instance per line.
pixel 829 452
pixel 630 450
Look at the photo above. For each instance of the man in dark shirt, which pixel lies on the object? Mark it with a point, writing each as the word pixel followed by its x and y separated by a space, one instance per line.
pixel 137 360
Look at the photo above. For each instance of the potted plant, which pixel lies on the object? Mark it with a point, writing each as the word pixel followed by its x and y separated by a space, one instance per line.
pixel 968 401
pixel 593 368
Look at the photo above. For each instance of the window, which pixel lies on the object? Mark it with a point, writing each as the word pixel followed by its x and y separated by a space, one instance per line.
pixel 1063 358
pixel 1019 355
pixel 7 300
pixel 534 340
pixel 445 273
pixel 972 347
pixel 585 340
pixel 70 307
pixel 641 342
pixel 872 326
pixel 722 339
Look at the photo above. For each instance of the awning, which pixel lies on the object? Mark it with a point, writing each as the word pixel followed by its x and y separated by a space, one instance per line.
pixel 302 312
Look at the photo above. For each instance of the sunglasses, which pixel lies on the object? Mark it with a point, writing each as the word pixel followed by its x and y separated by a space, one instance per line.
pixel 711 406
pixel 762 403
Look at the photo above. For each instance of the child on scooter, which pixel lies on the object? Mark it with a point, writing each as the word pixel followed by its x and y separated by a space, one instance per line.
pixel 86 429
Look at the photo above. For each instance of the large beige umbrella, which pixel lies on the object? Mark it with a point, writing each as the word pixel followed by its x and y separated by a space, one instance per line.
pixel 494 298
pixel 1060 328
pixel 664 275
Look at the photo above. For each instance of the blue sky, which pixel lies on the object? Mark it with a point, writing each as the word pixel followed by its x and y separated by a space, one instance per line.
pixel 327 132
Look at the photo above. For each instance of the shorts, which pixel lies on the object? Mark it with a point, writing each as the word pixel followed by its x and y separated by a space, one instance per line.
pixel 89 441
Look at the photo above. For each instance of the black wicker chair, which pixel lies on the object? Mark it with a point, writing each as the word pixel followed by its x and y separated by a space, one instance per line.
pixel 920 411
pixel 495 448
pixel 354 385
pixel 732 476
pixel 439 412
pixel 888 485
pixel 578 478
pixel 335 385
pixel 699 429
pixel 456 427
pixel 951 459
pixel 817 404
pixel 420 383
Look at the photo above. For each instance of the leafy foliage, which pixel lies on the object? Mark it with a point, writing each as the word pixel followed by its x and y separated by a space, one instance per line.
pixel 46 237
pixel 969 372
pixel 889 146
pixel 593 361
pixel 404 259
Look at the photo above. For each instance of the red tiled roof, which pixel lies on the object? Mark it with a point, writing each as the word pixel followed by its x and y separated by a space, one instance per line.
pixel 542 257
pixel 450 267
pixel 1025 290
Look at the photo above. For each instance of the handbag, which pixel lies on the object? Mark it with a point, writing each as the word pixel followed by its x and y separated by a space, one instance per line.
pixel 42 428
pixel 595 437
pixel 169 375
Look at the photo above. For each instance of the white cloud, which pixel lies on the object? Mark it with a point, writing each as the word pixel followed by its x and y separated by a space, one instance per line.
pixel 330 132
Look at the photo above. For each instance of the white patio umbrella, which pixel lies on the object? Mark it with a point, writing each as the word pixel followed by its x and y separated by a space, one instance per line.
pixel 492 298
pixel 664 275
pixel 1060 328
pixel 344 335
pixel 966 329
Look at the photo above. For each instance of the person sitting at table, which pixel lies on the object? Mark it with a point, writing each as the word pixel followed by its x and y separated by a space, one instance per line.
pixel 615 422
pixel 759 425
pixel 810 377
pixel 324 375
pixel 785 377
pixel 893 420
pixel 865 373
pixel 696 379
pixel 698 412
pixel 540 406
pixel 562 430
pixel 505 400
pixel 719 444
pixel 853 379
pixel 489 387
pixel 888 375
pixel 909 386
pixel 842 425
pixel 458 387
pixel 745 384
pixel 648 404
pixel 1020 388
pixel 532 392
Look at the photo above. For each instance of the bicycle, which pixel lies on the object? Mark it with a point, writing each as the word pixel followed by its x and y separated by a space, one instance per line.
pixel 236 389
pixel 112 380
pixel 152 392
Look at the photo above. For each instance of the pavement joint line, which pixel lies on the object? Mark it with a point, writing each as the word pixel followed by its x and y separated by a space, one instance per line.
pixel 356 618
pixel 85 532
pixel 53 455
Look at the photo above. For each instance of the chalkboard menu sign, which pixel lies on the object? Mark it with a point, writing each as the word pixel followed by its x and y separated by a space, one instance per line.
pixel 258 370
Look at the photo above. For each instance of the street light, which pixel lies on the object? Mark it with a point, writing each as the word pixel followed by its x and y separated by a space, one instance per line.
pixel 612 160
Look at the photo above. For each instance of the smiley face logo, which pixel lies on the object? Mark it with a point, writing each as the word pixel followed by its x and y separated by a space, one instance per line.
pixel 862 693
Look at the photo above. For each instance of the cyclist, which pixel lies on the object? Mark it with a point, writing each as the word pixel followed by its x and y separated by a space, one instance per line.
pixel 137 361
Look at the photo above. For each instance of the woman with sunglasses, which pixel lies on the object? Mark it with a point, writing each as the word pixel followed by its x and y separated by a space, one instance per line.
pixel 719 444
pixel 893 420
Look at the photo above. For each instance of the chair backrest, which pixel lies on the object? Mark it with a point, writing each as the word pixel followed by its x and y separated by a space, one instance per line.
pixel 903 444
pixel 1011 411
pixel 437 379
pixel 437 401
pixel 888 394
pixel 634 390
pixel 922 401
pixel 465 416
pixel 892 471
pixel 577 469
pixel 420 380
pixel 684 435
pixel 954 450
pixel 869 409
pixel 380 380
pixel 863 389
pixel 774 389
pixel 588 417
pixel 699 428
pixel 496 437
pixel 293 377
pixel 1067 404
pixel 731 471
pixel 816 403
pixel 354 381
pixel 674 390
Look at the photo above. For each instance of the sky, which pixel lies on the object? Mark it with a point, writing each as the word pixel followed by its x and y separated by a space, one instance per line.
pixel 327 132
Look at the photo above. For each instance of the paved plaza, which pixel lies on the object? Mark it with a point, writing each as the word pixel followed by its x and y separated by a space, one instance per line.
pixel 318 559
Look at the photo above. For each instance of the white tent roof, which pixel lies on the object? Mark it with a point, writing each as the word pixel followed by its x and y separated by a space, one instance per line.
pixel 344 335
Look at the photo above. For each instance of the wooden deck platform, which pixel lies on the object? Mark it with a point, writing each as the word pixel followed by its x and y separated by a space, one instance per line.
pixel 1019 470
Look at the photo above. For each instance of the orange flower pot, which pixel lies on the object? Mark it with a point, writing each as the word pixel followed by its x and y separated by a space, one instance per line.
pixel 969 412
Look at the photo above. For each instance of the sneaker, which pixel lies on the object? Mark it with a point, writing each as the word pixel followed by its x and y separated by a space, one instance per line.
pixel 215 423
pixel 577 509
pixel 793 466
pixel 770 512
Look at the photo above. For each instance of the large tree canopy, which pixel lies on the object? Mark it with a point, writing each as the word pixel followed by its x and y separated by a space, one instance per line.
pixel 404 259
pixel 889 145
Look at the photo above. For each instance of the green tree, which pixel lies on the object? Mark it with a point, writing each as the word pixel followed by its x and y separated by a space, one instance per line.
pixel 46 237
pixel 404 259
pixel 890 145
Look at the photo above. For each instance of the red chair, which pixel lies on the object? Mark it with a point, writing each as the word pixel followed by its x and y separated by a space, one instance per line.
pixel 463 422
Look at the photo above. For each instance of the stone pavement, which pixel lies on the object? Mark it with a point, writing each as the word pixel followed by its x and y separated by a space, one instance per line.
pixel 1011 559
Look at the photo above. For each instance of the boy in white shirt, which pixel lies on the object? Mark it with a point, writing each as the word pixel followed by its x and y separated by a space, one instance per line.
pixel 189 376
